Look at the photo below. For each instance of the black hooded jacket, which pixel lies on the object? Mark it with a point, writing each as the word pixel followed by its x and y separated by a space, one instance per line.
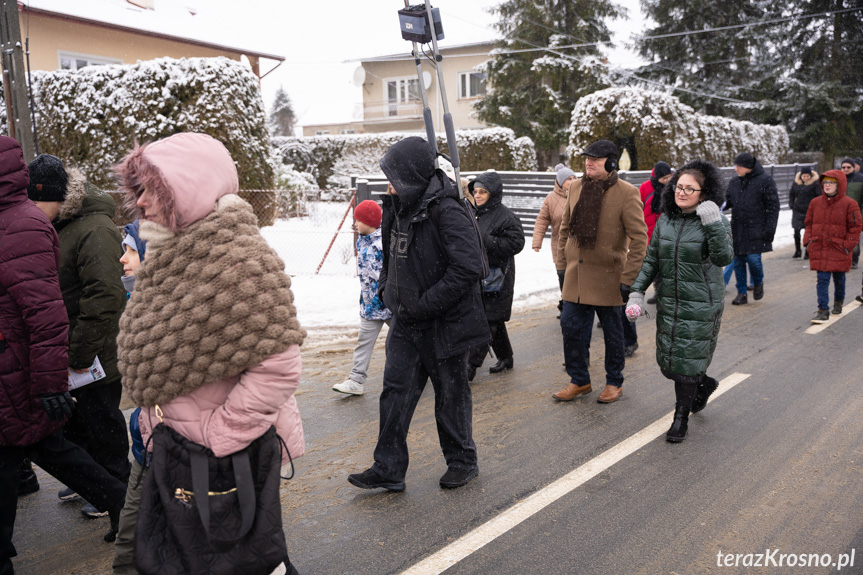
pixel 754 205
pixel 503 237
pixel 432 260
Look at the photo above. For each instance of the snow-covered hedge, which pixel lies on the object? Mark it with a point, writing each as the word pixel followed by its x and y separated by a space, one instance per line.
pixel 91 117
pixel 332 159
pixel 660 127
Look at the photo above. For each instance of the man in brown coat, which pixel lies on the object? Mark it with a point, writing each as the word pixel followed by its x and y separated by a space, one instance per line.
pixel 603 239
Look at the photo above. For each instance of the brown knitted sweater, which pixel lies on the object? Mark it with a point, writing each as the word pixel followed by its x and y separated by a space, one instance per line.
pixel 211 302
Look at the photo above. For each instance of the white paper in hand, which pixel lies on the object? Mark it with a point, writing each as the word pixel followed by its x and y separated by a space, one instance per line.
pixel 95 373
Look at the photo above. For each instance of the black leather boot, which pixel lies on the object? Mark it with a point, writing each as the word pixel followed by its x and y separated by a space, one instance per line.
pixel 685 393
pixel 28 482
pixel 705 389
pixel 501 365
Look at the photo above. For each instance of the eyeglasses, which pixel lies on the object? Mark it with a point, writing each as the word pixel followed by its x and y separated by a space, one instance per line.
pixel 847 167
pixel 687 191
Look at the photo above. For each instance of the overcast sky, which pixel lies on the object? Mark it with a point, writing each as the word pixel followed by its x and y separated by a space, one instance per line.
pixel 318 36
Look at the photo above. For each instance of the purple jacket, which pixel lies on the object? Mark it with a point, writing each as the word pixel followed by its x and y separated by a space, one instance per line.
pixel 33 319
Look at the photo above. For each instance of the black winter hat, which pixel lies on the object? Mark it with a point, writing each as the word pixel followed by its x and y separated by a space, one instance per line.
pixel 851 161
pixel 745 160
pixel 806 170
pixel 601 149
pixel 661 169
pixel 48 179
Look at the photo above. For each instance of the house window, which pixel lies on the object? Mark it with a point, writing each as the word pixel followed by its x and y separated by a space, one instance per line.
pixel 401 91
pixel 71 61
pixel 322 132
pixel 346 131
pixel 471 85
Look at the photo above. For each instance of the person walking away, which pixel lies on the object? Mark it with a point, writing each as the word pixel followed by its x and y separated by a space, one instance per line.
pixel 503 238
pixel 854 191
pixel 431 283
pixel 651 197
pixel 93 294
pixel 690 245
pixel 209 342
pixel 603 239
pixel 550 214
pixel 754 205
pixel 804 189
pixel 34 380
pixel 833 226
pixel 373 312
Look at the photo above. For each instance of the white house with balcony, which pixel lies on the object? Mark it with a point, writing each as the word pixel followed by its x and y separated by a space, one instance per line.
pixel 391 97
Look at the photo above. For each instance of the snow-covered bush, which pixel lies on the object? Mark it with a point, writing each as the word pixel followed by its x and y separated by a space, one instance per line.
pixel 659 127
pixel 333 159
pixel 91 117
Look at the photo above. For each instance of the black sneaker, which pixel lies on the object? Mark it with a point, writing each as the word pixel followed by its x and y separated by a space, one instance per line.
pixel 741 299
pixel 758 292
pixel 821 316
pixel 67 494
pixel 630 350
pixel 27 481
pixel 368 479
pixel 859 298
pixel 456 477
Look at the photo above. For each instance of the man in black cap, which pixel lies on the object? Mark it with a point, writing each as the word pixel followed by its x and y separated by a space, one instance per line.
pixel 754 204
pixel 93 292
pixel 602 242
pixel 430 281
pixel 854 190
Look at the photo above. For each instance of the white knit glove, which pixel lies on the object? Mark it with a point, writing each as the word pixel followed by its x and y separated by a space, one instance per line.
pixel 635 305
pixel 708 212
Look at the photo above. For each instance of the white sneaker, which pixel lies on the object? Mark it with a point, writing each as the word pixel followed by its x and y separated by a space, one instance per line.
pixel 349 386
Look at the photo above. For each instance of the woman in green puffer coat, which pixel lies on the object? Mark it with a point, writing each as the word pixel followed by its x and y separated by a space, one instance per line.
pixel 690 245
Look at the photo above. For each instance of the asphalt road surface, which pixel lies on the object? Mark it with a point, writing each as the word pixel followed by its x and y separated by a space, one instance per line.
pixel 772 468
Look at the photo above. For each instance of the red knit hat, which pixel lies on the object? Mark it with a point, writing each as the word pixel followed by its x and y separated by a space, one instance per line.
pixel 369 213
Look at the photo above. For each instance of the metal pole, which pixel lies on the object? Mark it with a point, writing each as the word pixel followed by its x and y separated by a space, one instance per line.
pixel 14 77
pixel 447 117
pixel 427 117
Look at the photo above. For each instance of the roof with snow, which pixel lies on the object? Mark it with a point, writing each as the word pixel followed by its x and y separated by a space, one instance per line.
pixel 192 21
pixel 444 49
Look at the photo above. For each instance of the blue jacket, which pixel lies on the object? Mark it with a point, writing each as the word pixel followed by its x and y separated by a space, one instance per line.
pixel 370 261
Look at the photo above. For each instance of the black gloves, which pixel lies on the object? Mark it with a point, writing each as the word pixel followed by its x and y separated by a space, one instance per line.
pixel 624 293
pixel 58 405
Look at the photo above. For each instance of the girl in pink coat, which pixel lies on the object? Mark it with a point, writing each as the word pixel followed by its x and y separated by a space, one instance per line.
pixel 209 342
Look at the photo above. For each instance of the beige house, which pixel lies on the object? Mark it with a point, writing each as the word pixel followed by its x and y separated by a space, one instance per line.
pixel 68 35
pixel 391 97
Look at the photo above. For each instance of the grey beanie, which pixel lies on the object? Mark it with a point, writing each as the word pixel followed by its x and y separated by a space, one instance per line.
pixel 563 174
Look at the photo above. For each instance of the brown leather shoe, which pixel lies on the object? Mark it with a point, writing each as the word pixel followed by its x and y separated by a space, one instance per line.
pixel 610 394
pixel 572 391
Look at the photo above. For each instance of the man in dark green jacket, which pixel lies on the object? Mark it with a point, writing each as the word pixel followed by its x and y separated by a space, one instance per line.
pixel 90 272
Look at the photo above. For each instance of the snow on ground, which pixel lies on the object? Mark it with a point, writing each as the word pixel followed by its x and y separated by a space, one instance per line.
pixel 327 303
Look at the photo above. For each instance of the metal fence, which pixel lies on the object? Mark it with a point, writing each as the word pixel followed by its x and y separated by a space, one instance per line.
pixel 524 192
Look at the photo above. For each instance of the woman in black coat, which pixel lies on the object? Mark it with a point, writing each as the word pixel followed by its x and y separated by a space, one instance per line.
pixel 503 237
pixel 804 189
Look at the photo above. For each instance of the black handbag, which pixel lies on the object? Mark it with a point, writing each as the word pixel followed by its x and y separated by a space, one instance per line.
pixel 493 283
pixel 236 527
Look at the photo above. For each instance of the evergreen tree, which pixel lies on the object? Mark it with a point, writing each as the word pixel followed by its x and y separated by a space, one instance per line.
pixel 708 70
pixel 534 92
pixel 282 117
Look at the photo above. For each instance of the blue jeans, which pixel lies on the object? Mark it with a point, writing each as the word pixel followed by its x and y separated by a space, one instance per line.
pixel 824 285
pixel 576 323
pixel 755 268
pixel 729 269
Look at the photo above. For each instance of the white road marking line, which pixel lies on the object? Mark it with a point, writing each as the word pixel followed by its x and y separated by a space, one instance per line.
pixel 494 528
pixel 819 327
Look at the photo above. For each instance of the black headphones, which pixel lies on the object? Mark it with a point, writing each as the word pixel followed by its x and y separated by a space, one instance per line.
pixel 610 164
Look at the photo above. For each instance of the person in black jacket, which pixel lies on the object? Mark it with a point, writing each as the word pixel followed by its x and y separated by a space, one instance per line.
pixel 503 238
pixel 431 282
pixel 754 205
pixel 804 189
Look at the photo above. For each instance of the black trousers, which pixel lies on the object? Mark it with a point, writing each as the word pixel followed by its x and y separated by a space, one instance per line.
pixel 499 343
pixel 67 462
pixel 411 361
pixel 99 427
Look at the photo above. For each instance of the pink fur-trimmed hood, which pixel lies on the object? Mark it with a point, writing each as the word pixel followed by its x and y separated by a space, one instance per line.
pixel 186 172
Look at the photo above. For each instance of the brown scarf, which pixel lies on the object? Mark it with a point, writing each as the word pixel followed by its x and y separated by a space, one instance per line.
pixel 212 302
pixel 585 217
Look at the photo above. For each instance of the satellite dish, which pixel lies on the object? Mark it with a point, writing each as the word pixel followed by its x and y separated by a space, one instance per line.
pixel 427 79
pixel 359 76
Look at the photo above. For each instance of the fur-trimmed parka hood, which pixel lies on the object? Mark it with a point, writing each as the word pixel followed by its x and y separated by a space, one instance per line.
pixel 712 190
pixel 813 180
pixel 187 173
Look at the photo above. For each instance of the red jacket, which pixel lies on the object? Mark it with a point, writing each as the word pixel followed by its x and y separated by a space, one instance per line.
pixel 33 320
pixel 646 189
pixel 833 226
